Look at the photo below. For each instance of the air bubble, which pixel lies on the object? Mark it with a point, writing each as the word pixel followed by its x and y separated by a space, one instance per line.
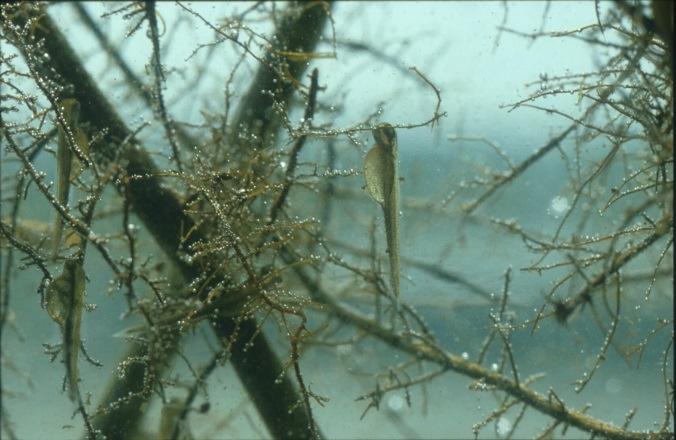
pixel 396 403
pixel 503 427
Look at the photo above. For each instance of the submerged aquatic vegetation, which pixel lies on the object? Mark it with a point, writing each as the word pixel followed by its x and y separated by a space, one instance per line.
pixel 227 232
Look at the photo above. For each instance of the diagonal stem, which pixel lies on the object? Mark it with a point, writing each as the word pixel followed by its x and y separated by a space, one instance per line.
pixel 161 212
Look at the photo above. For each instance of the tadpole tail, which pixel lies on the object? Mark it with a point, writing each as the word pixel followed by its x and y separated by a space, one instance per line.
pixel 63 168
pixel 72 327
pixel 58 232
pixel 71 360
pixel 392 232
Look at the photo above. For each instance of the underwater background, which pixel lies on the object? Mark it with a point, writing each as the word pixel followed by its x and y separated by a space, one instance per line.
pixel 479 72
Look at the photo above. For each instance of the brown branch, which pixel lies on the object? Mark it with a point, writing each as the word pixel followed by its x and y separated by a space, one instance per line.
pixel 435 271
pixel 567 307
pixel 161 212
pixel 425 351
pixel 81 227
pixel 632 64
pixel 136 84
pixel 437 92
pixel 255 115
pixel 295 149
pixel 158 74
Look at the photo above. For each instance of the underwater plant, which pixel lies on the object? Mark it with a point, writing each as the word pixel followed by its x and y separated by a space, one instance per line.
pixel 225 237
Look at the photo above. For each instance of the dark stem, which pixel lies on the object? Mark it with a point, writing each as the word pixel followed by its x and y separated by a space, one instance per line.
pixel 161 212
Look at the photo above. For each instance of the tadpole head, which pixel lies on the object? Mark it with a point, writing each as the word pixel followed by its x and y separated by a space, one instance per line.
pixel 70 108
pixel 384 134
